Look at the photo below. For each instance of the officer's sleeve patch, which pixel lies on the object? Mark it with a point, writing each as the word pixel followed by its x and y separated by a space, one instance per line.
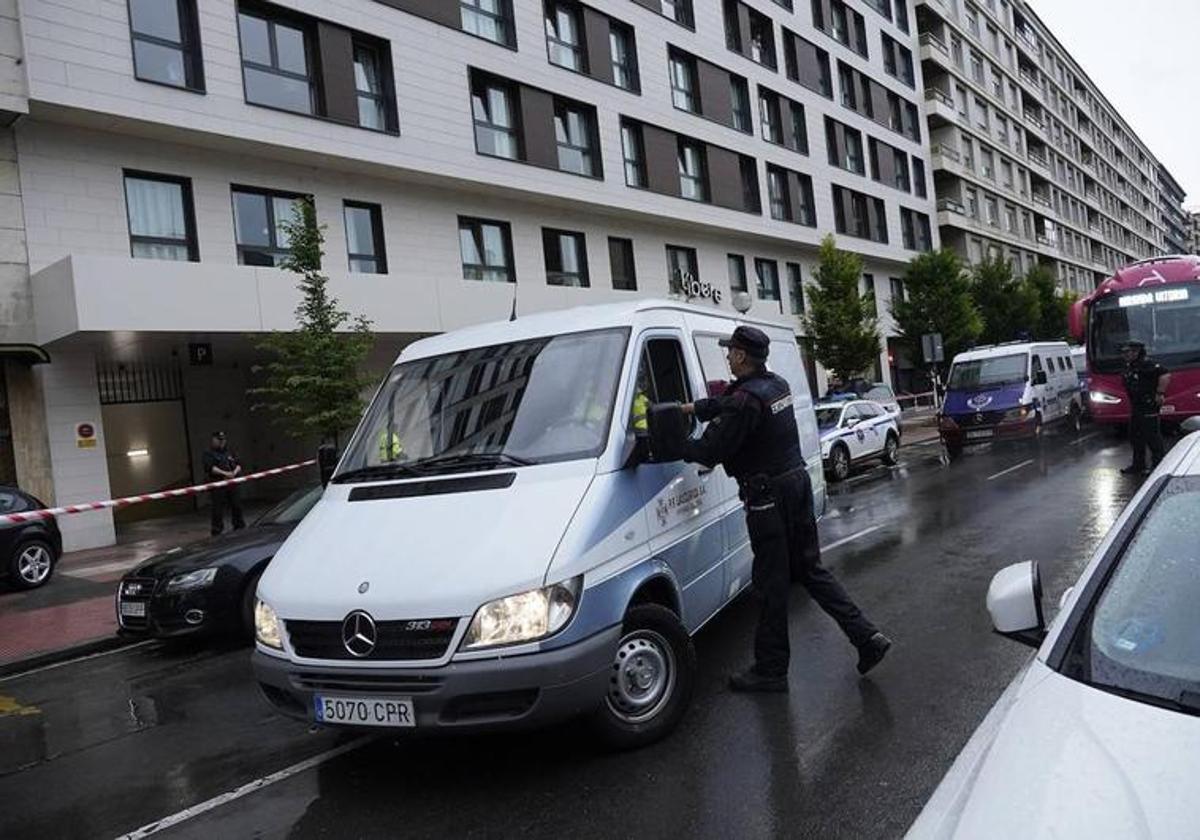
pixel 781 403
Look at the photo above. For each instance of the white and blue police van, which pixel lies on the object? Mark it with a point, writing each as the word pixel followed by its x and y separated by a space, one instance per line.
pixel 497 546
pixel 1009 391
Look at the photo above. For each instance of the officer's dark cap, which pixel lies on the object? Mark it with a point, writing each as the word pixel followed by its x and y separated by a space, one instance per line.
pixel 750 339
pixel 219 435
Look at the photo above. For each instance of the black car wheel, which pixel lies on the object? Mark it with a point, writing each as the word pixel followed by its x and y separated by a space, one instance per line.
pixel 839 463
pixel 31 564
pixel 653 672
pixel 891 450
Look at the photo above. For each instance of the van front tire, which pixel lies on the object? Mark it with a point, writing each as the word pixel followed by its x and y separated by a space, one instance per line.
pixel 651 680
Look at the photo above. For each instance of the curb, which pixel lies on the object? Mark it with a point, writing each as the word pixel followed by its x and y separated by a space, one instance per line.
pixel 16 667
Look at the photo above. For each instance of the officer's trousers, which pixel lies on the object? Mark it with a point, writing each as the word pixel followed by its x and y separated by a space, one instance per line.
pixel 783 536
pixel 1145 431
pixel 221 497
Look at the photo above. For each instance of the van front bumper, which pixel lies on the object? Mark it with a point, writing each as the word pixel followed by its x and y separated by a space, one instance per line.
pixel 497 693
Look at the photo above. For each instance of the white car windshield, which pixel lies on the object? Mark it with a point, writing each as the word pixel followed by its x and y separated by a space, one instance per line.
pixel 988 373
pixel 828 417
pixel 533 401
pixel 1142 636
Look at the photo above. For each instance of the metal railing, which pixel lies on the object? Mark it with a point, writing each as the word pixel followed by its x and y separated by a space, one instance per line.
pixel 946 152
pixel 950 205
pixel 928 39
pixel 940 95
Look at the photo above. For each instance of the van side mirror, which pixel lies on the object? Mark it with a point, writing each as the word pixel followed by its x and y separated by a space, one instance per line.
pixel 669 430
pixel 327 459
pixel 1014 600
pixel 1039 377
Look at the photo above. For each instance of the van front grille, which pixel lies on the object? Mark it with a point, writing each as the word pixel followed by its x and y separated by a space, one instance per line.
pixel 395 640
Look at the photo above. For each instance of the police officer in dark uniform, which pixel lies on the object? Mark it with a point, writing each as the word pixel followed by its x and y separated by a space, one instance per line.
pixel 220 464
pixel 1146 384
pixel 752 432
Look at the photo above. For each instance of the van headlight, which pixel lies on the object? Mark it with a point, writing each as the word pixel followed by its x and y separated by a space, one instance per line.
pixel 1103 398
pixel 266 625
pixel 524 617
pixel 191 580
pixel 1015 414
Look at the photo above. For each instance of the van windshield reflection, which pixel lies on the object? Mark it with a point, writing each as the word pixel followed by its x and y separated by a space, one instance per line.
pixel 526 402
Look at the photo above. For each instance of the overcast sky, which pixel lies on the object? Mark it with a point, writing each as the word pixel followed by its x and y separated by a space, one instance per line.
pixel 1142 54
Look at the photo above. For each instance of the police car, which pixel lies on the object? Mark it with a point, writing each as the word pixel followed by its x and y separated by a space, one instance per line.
pixel 853 431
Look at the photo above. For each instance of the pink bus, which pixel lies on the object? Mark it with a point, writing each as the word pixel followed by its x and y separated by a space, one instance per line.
pixel 1156 301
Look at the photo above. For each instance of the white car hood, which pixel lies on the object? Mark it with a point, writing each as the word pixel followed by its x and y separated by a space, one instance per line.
pixel 431 556
pixel 1065 760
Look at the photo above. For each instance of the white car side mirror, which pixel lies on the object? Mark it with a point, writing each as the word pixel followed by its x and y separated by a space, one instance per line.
pixel 1014 600
pixel 1192 424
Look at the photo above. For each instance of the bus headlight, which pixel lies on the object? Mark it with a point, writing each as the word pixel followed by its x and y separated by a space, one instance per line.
pixel 1103 398
pixel 524 617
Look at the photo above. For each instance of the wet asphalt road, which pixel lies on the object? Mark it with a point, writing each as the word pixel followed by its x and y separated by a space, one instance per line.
pixel 103 746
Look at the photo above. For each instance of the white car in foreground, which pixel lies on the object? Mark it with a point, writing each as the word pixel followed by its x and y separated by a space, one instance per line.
pixel 1099 736
pixel 854 431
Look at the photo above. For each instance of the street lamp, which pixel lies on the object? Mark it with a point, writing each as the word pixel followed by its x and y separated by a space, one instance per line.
pixel 742 302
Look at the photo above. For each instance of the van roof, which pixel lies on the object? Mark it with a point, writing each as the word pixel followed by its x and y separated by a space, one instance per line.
pixel 561 321
pixel 1009 349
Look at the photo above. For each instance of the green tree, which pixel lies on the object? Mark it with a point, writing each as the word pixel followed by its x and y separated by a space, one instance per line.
pixel 315 382
pixel 1008 306
pixel 840 322
pixel 1053 304
pixel 937 299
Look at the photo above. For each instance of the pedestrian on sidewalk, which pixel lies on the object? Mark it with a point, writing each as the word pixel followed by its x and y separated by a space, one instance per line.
pixel 752 431
pixel 221 464
pixel 1146 384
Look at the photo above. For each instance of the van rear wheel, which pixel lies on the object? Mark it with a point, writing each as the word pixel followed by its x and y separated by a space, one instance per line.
pixel 651 680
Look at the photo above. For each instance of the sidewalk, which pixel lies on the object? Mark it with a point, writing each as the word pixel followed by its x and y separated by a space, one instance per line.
pixel 918 427
pixel 75 612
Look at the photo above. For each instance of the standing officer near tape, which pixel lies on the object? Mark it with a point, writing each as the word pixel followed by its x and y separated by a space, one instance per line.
pixel 752 432
pixel 220 464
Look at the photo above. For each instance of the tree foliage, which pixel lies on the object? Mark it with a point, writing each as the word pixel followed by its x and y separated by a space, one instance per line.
pixel 1007 304
pixel 315 382
pixel 840 322
pixel 937 299
pixel 1053 305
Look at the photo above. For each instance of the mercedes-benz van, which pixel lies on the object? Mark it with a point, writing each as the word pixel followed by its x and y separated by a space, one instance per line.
pixel 497 546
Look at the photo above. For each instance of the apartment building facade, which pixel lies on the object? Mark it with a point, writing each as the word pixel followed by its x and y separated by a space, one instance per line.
pixel 463 157
pixel 1175 220
pixel 1031 162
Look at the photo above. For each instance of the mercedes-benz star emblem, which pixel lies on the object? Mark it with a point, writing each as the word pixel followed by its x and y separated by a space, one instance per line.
pixel 363 587
pixel 358 634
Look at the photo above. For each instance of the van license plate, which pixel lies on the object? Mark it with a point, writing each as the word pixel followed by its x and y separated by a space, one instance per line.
pixel 133 609
pixel 364 711
pixel 980 435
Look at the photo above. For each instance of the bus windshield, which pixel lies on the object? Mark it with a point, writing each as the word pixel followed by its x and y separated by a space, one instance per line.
pixel 992 372
pixel 1166 318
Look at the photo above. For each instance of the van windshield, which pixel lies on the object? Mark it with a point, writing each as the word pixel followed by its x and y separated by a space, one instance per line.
pixel 988 373
pixel 534 401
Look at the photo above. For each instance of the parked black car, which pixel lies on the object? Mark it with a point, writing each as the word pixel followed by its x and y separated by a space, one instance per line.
pixel 28 550
pixel 208 586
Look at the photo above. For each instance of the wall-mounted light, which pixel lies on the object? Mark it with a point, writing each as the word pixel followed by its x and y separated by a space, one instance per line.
pixel 137 453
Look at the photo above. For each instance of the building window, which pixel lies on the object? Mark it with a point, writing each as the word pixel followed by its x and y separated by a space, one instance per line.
pixel 767 272
pixel 777 194
pixel 739 95
pixel 770 116
pixel 166 43
pixel 486 250
pixel 799 127
pixel 620 261
pixel 259 219
pixel 575 133
pixel 566 258
pixel 276 63
pixel 795 288
pixel 681 267
pixel 915 230
pixel 858 215
pixel 162 221
pixel 762 40
pixel 751 200
pixel 736 266
pixel 364 238
pixel 563 36
pixel 900 164
pixel 897 289
pixel 368 81
pixel 679 11
pixel 692 180
pixel 496 124
pixel 624 56
pixel 918 174
pixel 683 82
pixel 845 147
pixel 490 19
pixel 635 155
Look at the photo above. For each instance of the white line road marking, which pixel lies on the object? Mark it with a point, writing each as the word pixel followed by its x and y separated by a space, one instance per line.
pixel 1078 441
pixel 850 538
pixel 929 442
pixel 248 788
pixel 78 659
pixel 1010 469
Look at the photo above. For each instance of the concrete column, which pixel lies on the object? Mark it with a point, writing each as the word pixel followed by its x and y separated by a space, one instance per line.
pixel 27 418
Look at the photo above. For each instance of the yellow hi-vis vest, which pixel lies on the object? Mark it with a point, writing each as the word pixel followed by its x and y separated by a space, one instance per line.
pixel 641 409
pixel 393 452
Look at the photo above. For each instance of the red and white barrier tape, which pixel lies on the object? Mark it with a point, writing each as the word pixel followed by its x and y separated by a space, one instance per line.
pixel 49 513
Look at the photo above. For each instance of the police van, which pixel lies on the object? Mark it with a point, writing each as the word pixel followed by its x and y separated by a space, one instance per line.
pixel 1009 391
pixel 519 557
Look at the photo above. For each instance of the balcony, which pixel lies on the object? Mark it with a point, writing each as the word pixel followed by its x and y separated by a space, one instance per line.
pixel 1039 158
pixel 939 106
pixel 928 39
pixel 951 205
pixel 942 154
pixel 1038 198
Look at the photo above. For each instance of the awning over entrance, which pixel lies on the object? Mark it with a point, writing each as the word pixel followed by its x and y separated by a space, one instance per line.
pixel 29 354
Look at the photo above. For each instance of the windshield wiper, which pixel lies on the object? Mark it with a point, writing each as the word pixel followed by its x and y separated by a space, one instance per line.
pixel 473 459
pixel 392 470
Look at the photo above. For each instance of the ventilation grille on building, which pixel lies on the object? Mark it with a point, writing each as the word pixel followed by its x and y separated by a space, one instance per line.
pixel 134 382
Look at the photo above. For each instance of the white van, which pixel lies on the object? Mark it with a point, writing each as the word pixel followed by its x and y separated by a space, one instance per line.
pixel 496 548
pixel 1009 391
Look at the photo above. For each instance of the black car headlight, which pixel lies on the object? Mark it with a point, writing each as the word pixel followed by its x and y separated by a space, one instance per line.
pixel 198 579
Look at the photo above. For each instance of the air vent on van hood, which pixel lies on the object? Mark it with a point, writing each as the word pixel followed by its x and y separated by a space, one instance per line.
pixel 440 487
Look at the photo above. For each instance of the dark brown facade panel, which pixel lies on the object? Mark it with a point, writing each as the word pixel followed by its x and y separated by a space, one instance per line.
pixel 716 101
pixel 744 28
pixel 596 29
pixel 662 160
pixel 886 159
pixel 337 73
pixel 809 64
pixel 537 125
pixel 795 196
pixel 439 11
pixel 725 178
pixel 879 102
